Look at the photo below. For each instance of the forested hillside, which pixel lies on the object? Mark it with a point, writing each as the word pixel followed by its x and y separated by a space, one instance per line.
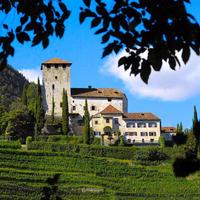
pixel 11 85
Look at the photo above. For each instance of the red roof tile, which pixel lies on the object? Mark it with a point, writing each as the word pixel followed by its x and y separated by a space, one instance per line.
pixel 97 92
pixel 110 110
pixel 168 129
pixel 140 116
pixel 56 61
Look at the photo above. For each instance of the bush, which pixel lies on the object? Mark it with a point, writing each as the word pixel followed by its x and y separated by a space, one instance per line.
pixel 150 155
pixel 96 141
pixel 10 144
pixel 65 139
pixel 28 140
pixel 162 141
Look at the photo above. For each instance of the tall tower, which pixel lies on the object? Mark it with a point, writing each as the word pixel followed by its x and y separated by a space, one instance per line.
pixel 56 76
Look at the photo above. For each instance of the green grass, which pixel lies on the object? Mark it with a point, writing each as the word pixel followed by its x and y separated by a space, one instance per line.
pixel 23 175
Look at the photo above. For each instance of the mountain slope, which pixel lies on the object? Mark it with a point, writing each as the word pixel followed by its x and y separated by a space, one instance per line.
pixel 11 85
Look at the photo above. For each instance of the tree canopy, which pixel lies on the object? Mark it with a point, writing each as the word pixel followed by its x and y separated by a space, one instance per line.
pixel 158 28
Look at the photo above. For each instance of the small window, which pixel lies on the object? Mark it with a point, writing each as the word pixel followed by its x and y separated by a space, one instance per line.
pixel 133 141
pixel 73 107
pixel 129 141
pixel 56 77
pixel 96 122
pixel 116 121
pixel 152 124
pixel 142 140
pixel 107 120
pixel 109 99
pixel 53 87
pixel 151 140
pixel 152 133
pixel 143 134
pixel 61 104
pixel 93 107
pixel 141 125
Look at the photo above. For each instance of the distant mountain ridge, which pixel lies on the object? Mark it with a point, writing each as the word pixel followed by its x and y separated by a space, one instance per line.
pixel 11 85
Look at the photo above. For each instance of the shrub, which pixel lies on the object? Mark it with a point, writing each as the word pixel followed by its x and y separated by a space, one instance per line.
pixel 150 155
pixel 28 140
pixel 10 144
pixel 162 141
pixel 96 141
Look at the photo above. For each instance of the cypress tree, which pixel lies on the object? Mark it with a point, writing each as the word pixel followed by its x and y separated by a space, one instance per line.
pixel 86 124
pixel 65 113
pixel 196 126
pixel 39 113
pixel 24 95
pixel 52 111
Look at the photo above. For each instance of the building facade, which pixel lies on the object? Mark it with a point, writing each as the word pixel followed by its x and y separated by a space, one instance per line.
pixel 108 107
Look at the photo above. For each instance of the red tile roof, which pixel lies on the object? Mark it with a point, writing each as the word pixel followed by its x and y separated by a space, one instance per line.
pixel 168 129
pixel 56 61
pixel 110 110
pixel 140 116
pixel 97 92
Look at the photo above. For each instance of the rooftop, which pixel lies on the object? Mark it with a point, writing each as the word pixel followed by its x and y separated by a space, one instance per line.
pixel 56 61
pixel 168 129
pixel 97 92
pixel 141 116
pixel 110 110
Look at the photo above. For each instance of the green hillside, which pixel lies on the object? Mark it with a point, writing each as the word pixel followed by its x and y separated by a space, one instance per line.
pixel 11 85
pixel 23 176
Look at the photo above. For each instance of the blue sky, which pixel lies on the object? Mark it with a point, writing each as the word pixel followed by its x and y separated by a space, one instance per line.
pixel 80 46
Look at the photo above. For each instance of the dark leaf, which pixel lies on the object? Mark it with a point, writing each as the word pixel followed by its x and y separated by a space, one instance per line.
pixel 186 54
pixel 5 26
pixel 45 43
pixel 101 31
pixel 105 38
pixel 63 7
pixel 122 61
pixel 95 22
pixel 87 2
pixel 108 49
pixel 22 36
pixel 172 62
pixel 145 71
pixel 82 17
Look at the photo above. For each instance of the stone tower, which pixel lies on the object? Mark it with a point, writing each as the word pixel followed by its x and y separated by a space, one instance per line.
pixel 56 76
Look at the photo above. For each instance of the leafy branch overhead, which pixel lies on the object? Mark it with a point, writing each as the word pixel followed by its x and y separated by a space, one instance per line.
pixel 38 20
pixel 159 28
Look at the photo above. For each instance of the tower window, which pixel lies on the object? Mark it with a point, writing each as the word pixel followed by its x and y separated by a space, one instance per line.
pixel 74 107
pixel 93 107
pixel 53 87
pixel 56 77
pixel 61 104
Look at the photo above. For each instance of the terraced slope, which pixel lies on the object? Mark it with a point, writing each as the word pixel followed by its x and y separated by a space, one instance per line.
pixel 23 175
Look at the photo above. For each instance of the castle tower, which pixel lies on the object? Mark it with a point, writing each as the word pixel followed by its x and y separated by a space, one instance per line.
pixel 56 76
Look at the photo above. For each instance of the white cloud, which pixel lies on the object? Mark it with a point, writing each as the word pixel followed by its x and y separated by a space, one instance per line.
pixel 31 74
pixel 166 85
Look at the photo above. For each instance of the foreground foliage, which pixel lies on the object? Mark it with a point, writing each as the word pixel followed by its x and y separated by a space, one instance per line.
pixel 24 175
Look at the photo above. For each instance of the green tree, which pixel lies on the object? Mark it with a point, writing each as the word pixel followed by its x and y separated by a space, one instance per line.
pixel 162 141
pixel 39 113
pixel 86 124
pixel 52 111
pixel 196 126
pixel 65 113
pixel 191 146
pixel 24 96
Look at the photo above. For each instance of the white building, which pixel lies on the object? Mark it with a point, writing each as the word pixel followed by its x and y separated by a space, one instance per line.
pixel 168 132
pixel 108 107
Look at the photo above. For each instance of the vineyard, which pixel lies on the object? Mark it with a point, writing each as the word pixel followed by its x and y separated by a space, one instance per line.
pixel 23 175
